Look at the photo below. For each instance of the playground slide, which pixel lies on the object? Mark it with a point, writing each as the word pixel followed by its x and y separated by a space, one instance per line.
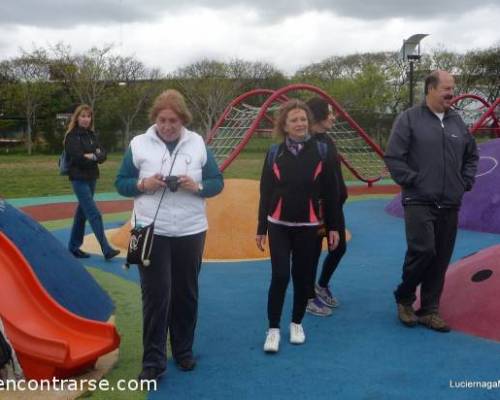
pixel 49 340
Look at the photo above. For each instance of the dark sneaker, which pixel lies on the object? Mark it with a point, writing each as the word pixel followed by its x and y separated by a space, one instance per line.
pixel 79 253
pixel 112 253
pixel 186 364
pixel 316 307
pixel 326 296
pixel 151 374
pixel 406 315
pixel 434 321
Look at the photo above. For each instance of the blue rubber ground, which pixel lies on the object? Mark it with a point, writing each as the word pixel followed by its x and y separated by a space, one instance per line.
pixel 361 352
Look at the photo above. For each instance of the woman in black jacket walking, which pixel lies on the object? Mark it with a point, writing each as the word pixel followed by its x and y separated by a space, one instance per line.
pixel 84 153
pixel 321 299
pixel 295 176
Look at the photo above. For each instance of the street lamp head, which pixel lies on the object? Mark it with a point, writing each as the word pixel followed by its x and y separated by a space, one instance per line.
pixel 410 51
pixel 411 47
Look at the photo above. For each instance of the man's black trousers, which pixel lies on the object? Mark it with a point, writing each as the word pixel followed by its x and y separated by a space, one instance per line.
pixel 430 237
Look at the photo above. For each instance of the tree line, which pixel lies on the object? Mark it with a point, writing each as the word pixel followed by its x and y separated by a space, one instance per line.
pixel 40 87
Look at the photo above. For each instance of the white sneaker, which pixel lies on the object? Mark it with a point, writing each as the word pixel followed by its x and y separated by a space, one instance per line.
pixel 272 343
pixel 297 335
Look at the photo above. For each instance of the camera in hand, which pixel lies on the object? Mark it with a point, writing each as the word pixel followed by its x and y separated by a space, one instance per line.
pixel 172 182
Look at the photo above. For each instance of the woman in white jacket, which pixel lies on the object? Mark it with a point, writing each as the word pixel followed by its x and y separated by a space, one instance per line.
pixel 170 284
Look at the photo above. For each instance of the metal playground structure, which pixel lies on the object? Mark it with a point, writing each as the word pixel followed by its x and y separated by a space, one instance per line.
pixel 252 113
pixel 480 116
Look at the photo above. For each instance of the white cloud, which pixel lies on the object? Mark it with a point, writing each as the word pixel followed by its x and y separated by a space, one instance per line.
pixel 289 43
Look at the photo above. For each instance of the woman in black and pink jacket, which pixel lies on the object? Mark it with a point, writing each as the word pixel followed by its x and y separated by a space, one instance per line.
pixel 297 173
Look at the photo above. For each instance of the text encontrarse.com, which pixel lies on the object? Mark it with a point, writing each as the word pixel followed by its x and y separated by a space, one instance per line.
pixel 56 384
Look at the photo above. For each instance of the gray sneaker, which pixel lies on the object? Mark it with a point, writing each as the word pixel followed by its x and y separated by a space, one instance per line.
pixel 326 297
pixel 316 307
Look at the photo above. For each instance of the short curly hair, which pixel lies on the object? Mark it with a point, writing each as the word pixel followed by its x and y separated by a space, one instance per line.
pixel 173 100
pixel 285 108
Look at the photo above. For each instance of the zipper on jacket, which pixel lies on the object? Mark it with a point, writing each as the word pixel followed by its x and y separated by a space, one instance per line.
pixel 444 160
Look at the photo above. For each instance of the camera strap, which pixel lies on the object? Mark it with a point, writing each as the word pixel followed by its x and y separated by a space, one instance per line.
pixel 164 190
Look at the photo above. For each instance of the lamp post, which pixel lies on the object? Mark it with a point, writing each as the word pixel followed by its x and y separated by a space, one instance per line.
pixel 410 51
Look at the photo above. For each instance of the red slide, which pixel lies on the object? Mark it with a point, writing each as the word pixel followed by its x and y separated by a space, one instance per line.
pixel 49 340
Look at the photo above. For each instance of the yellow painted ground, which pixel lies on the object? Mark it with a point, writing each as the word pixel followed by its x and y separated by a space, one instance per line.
pixel 232 222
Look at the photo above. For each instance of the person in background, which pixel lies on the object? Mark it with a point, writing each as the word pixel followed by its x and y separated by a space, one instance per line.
pixel 321 300
pixel 434 158
pixel 84 153
pixel 294 178
pixel 170 283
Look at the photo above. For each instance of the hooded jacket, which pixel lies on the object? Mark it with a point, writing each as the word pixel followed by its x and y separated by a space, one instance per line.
pixel 433 161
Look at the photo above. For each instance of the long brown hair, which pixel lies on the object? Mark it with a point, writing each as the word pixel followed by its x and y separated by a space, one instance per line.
pixel 73 122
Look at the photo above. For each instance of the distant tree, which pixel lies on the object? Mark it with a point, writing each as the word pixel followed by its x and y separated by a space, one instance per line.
pixel 29 76
pixel 86 75
pixel 481 70
pixel 132 92
pixel 207 89
pixel 351 79
pixel 210 85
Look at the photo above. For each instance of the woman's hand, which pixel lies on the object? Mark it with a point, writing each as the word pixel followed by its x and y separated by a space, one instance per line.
pixel 151 184
pixel 261 241
pixel 333 240
pixel 187 183
pixel 90 156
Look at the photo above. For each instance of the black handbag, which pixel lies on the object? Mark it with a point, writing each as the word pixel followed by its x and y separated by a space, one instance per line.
pixel 140 244
pixel 63 163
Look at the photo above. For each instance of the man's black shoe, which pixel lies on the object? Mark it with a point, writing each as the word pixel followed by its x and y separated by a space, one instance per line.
pixel 112 253
pixel 186 364
pixel 151 374
pixel 79 254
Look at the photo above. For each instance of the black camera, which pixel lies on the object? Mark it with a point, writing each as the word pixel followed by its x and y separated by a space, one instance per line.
pixel 172 182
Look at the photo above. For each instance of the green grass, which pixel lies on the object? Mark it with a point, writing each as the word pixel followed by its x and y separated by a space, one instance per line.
pixel 25 176
pixel 38 175
pixel 128 319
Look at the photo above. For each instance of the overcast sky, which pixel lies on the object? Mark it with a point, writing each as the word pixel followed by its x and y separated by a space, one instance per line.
pixel 287 33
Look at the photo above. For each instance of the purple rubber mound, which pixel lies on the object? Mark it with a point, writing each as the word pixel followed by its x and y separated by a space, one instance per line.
pixel 480 207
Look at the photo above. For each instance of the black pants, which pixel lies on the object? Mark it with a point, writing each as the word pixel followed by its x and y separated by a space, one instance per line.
pixel 170 297
pixel 430 237
pixel 331 260
pixel 297 243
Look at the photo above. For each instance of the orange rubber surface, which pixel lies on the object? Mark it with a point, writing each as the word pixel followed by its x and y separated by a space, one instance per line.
pixel 49 340
pixel 232 224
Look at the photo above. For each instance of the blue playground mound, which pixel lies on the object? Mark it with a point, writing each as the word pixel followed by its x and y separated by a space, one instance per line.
pixel 66 280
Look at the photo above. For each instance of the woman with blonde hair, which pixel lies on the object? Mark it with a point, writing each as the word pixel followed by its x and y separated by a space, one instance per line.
pixel 296 174
pixel 170 172
pixel 84 153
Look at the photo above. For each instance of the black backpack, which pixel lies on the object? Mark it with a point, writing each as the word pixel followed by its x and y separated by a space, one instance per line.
pixel 5 351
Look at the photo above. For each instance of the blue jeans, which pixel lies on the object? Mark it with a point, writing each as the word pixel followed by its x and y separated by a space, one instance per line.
pixel 87 210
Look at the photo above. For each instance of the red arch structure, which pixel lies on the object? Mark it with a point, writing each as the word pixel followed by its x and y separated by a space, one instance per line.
pixel 481 116
pixel 240 120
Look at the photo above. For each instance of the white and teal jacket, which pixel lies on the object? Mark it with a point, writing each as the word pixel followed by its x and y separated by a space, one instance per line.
pixel 181 213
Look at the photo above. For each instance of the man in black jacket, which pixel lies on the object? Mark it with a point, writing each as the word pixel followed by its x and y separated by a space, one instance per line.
pixel 433 157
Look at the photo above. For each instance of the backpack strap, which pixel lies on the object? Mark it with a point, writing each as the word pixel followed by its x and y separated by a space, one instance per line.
pixel 322 149
pixel 273 154
pixel 275 147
